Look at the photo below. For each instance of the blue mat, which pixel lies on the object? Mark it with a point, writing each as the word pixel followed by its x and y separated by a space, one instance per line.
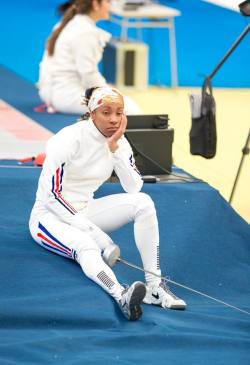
pixel 50 313
pixel 22 95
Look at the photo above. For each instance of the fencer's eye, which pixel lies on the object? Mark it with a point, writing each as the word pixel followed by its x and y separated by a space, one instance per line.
pixel 105 113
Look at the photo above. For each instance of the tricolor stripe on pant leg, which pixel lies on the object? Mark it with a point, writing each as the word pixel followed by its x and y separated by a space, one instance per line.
pixel 57 188
pixel 53 244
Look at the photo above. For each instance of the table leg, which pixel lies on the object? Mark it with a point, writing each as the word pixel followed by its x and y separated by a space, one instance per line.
pixel 173 58
pixel 124 30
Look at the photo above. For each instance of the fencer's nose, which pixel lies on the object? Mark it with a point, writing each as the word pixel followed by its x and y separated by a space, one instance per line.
pixel 114 120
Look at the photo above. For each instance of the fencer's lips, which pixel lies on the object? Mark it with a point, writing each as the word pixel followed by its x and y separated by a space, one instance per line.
pixel 112 129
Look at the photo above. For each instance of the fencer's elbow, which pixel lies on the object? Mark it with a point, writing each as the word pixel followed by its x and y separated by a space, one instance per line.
pixel 136 188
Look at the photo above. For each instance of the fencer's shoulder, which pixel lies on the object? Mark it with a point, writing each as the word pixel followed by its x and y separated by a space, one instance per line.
pixel 66 134
pixel 67 141
pixel 83 25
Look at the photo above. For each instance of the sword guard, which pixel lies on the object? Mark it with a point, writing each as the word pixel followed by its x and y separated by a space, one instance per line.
pixel 111 254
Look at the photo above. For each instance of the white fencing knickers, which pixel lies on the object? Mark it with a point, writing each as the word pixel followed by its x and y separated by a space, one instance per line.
pixel 86 245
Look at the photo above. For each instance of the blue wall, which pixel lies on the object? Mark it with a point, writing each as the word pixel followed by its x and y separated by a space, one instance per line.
pixel 204 34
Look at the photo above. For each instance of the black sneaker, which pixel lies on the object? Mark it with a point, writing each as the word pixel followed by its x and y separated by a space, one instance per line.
pixel 130 302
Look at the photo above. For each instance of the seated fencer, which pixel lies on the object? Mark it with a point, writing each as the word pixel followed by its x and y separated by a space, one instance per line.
pixel 66 218
pixel 71 57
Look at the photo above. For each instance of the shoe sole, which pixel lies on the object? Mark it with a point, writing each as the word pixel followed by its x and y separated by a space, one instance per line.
pixel 136 299
pixel 173 306
pixel 178 306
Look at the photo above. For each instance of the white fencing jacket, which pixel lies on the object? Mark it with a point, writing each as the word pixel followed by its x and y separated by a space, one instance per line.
pixel 78 161
pixel 73 67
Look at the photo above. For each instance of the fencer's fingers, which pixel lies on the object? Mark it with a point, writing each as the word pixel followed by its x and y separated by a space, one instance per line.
pixel 112 141
pixel 124 122
pixel 116 136
pixel 121 130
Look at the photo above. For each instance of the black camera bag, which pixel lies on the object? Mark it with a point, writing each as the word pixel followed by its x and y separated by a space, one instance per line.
pixel 203 136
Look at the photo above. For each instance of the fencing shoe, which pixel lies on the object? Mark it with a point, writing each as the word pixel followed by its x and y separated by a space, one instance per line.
pixel 130 302
pixel 160 294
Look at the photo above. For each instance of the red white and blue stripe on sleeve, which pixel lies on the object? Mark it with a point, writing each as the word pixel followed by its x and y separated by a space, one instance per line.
pixel 57 188
pixel 51 243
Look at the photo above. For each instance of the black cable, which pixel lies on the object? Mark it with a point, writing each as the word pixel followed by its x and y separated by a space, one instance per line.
pixel 191 180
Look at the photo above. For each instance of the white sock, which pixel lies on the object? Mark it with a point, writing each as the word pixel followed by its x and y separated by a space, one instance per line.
pixel 146 233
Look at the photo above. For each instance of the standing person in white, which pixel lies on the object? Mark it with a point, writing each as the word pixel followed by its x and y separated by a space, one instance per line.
pixel 73 52
pixel 67 220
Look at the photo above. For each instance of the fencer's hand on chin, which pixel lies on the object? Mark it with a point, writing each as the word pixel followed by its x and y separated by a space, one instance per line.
pixel 112 141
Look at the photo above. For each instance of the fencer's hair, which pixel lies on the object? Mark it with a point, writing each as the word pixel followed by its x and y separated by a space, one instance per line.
pixel 87 96
pixel 61 9
pixel 68 9
pixel 89 92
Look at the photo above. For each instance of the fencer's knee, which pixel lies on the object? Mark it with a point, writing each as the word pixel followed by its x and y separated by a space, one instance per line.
pixel 144 204
pixel 87 246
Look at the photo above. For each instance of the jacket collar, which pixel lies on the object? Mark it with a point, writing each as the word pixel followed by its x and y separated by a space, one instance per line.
pixel 95 131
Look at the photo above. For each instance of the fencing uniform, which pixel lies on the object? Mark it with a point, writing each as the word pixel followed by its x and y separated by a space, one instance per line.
pixel 67 220
pixel 73 67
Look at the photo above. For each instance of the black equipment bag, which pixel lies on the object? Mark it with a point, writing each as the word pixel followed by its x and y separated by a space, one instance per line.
pixel 202 136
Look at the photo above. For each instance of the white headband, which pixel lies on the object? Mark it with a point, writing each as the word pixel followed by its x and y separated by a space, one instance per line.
pixel 100 96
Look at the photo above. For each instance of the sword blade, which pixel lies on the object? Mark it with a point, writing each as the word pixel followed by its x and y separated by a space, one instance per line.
pixel 182 286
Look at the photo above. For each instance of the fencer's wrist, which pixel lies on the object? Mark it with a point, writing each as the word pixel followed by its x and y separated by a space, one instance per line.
pixel 113 147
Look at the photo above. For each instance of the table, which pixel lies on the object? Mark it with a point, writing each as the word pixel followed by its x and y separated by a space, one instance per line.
pixel 149 16
pixel 229 4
